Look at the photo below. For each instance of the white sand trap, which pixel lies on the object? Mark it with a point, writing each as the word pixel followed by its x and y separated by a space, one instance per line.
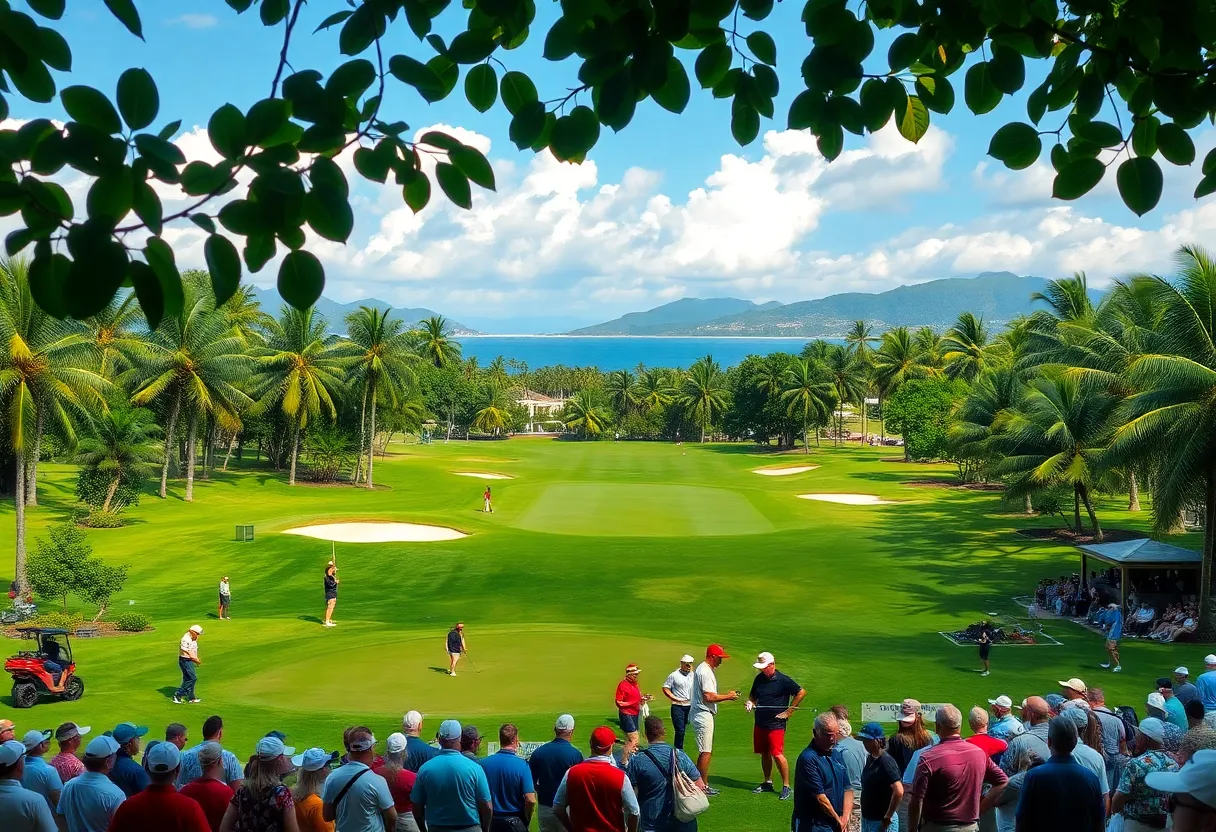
pixel 784 472
pixel 849 499
pixel 482 476
pixel 378 532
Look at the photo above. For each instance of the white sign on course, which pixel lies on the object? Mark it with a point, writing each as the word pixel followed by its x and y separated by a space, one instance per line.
pixel 889 711
pixel 525 748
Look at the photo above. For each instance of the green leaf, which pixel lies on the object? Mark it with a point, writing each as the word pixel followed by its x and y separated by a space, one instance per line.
pixel 1007 70
pixel 905 49
pixel 1090 95
pixel 711 65
pixel 301 279
pixel 744 122
pixel 471 162
pixel 470 47
pixel 440 140
pixel 55 50
pixel 1206 186
pixel 110 196
pixel 562 39
pixel 527 124
pixel 352 79
pixel 148 207
pixel 241 217
pixel 204 222
pixel 979 92
pixel 99 267
pixel 1144 136
pixel 418 75
pixel 517 91
pixel 914 121
pixel 160 257
pixel 674 94
pixel 876 105
pixel 936 92
pixel 454 184
pixel 159 149
pixel 138 100
pixel 1140 182
pixel 481 87
pixel 226 129
pixel 224 264
pixel 16 241
pixel 35 83
pixel 1077 178
pixel 1175 144
pixel 125 11
pixel 333 20
pixel 363 27
pixel 831 141
pixel 1017 145
pixel 51 9
pixel 1036 103
pixel 617 100
pixel 272 12
pixel 89 106
pixel 259 249
pixel 574 134
pixel 417 193
pixel 47 275
pixel 762 46
pixel 170 130
pixel 1100 133
pixel 147 292
pixel 329 214
pixel 265 118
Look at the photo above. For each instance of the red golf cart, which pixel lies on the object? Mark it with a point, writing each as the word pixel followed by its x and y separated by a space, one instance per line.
pixel 32 679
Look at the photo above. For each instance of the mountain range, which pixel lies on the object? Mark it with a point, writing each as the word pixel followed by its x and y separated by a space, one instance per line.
pixel 335 313
pixel 998 297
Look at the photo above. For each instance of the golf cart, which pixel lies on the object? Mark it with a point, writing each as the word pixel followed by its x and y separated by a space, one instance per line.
pixel 31 677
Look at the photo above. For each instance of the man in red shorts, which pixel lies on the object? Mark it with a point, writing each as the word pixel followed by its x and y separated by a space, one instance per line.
pixel 770 701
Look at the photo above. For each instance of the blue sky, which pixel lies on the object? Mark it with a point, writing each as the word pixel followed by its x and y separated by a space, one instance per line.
pixel 670 207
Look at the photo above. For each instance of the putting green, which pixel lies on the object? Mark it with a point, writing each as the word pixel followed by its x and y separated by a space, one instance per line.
pixel 642 510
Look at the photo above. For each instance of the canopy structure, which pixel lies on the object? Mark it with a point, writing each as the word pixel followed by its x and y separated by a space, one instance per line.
pixel 1143 553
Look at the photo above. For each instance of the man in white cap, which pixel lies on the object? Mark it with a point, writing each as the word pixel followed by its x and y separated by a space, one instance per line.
pixel 1183 689
pixel 452 793
pixel 1192 792
pixel 417 751
pixel 21 810
pixel 678 688
pixel 160 806
pixel 209 789
pixel 355 798
pixel 1142 807
pixel 770 701
pixel 39 776
pixel 187 661
pixel 549 765
pixel 1002 709
pixel 89 801
pixel 68 735
pixel 1206 683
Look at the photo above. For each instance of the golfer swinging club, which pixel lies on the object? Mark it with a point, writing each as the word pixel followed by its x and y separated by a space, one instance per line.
pixel 456 646
pixel 331 593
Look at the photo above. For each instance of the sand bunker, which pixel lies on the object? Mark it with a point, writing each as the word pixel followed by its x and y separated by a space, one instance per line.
pixel 784 472
pixel 482 476
pixel 848 499
pixel 378 532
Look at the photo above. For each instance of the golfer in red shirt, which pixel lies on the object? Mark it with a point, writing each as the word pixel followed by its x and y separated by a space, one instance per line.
pixel 629 699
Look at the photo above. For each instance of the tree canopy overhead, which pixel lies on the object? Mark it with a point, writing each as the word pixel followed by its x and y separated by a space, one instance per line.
pixel 1125 81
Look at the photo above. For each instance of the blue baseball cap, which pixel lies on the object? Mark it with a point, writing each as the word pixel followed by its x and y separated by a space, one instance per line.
pixel 871 731
pixel 314 759
pixel 449 730
pixel 124 732
pixel 1054 701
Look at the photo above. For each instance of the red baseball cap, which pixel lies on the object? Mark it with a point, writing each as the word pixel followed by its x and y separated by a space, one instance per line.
pixel 716 650
pixel 603 737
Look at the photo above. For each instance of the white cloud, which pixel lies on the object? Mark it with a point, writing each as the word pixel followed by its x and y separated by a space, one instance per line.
pixel 194 21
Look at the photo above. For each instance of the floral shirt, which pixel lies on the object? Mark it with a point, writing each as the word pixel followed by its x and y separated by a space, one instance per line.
pixel 68 766
pixel 1143 803
pixel 253 815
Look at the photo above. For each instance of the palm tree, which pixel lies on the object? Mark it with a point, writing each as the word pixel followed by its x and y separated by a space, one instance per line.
pixel 382 363
pixel 195 362
pixel 496 372
pixel 1057 434
pixel 1171 419
pixel 245 314
pixel 704 393
pixel 929 344
pixel 807 394
pixel 300 371
pixel 975 430
pixel 847 376
pixel 622 389
pixel 434 342
pixel 122 446
pixel 859 337
pixel 585 415
pixel 655 389
pixel 966 349
pixel 494 416
pixel 116 335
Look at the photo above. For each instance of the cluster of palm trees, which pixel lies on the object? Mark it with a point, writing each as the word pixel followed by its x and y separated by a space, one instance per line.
pixel 104 389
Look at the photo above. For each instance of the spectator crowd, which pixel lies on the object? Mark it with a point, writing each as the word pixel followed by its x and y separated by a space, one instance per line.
pixel 1063 761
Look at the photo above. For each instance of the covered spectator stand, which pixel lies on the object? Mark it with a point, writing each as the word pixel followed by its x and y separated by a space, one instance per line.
pixel 1144 553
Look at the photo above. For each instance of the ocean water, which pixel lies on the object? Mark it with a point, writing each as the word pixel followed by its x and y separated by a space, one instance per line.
pixel 620 352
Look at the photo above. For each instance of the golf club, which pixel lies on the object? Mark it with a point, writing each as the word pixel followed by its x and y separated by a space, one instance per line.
pixel 472 663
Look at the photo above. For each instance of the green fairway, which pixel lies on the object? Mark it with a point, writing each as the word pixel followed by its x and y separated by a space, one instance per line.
pixel 597 554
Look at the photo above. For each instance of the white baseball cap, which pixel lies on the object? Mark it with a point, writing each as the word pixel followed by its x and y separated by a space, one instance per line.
pixel 162 758
pixel 1210 658
pixel 1197 778
pixel 686 659
pixel 1001 701
pixel 194 628
pixel 396 742
pixel 1079 686
pixel 1182 671
pixel 565 722
pixel 764 660
pixel 271 748
pixel 1156 700
pixel 1152 728
pixel 412 720
pixel 101 747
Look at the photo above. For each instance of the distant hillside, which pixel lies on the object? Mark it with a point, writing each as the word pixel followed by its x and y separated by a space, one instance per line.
pixel 997 296
pixel 336 313
pixel 683 313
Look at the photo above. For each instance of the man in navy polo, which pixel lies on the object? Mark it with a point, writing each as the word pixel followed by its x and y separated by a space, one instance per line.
pixel 128 774
pixel 816 775
pixel 549 765
pixel 1061 795
pixel 511 791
